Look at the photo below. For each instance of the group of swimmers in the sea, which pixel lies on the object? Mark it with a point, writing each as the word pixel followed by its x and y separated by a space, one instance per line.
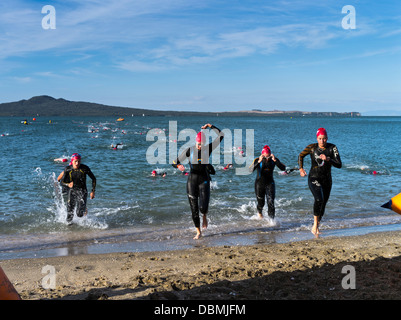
pixel 323 155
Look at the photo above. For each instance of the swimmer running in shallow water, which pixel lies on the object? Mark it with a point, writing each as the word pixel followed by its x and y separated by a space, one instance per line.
pixel 74 177
pixel 198 184
pixel 264 182
pixel 323 156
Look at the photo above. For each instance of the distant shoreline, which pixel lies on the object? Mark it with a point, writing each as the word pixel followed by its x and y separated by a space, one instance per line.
pixel 46 106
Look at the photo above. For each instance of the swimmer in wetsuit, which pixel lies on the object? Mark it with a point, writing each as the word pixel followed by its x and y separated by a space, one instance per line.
pixel 264 183
pixel 323 156
pixel 198 184
pixel 74 177
pixel 154 174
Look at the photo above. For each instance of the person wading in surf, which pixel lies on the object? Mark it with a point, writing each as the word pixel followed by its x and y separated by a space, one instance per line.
pixel 198 184
pixel 74 177
pixel 323 156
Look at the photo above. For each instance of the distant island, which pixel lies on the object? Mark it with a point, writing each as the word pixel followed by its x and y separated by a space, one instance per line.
pixel 47 106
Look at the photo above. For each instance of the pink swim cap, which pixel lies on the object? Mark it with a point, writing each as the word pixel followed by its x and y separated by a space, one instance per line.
pixel 201 137
pixel 74 157
pixel 266 149
pixel 321 132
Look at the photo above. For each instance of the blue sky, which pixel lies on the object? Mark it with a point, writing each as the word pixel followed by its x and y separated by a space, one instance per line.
pixel 205 55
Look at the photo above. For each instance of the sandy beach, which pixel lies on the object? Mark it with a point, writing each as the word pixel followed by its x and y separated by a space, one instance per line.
pixel 310 269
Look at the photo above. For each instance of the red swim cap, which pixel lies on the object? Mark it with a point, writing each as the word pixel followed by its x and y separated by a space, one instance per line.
pixel 266 149
pixel 321 132
pixel 201 137
pixel 74 157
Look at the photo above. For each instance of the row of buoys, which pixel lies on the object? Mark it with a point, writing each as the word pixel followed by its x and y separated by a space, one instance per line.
pixel 7 290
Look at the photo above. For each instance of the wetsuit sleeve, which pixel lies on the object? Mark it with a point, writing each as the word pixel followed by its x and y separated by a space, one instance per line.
pixel 181 158
pixel 216 142
pixel 335 159
pixel 92 176
pixel 254 165
pixel 60 177
pixel 280 165
pixel 65 180
pixel 302 155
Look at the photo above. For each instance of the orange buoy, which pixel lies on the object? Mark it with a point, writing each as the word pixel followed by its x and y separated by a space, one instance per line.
pixel 394 204
pixel 7 290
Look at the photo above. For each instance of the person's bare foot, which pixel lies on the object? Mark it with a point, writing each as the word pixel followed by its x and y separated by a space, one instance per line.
pixel 315 230
pixel 260 215
pixel 198 234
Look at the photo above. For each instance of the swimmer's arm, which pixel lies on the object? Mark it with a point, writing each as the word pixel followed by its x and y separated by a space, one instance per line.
pixel 280 165
pixel 335 159
pixel 254 165
pixel 181 157
pixel 65 179
pixel 60 177
pixel 92 176
pixel 216 142
pixel 301 157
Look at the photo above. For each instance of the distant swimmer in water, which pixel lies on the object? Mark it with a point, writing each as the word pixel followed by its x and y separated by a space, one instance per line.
pixel 228 166
pixel 117 146
pixel 74 177
pixel 374 172
pixel 323 156
pixel 264 183
pixel 61 159
pixel 198 184
pixel 154 174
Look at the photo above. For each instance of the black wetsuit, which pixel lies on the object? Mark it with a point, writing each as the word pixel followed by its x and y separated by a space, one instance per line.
pixel 78 194
pixel 264 183
pixel 198 184
pixel 319 178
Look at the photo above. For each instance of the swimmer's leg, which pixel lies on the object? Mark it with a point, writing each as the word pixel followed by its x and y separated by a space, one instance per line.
pixel 81 203
pixel 270 195
pixel 318 205
pixel 71 202
pixel 260 192
pixel 193 196
pixel 204 198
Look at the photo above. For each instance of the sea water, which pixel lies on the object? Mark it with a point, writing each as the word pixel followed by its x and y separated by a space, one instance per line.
pixel 134 211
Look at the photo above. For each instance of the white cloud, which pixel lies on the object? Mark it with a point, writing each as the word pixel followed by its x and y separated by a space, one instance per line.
pixel 188 49
pixel 138 66
pixel 155 35
pixel 23 79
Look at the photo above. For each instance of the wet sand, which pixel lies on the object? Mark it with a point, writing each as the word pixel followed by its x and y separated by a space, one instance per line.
pixel 311 269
